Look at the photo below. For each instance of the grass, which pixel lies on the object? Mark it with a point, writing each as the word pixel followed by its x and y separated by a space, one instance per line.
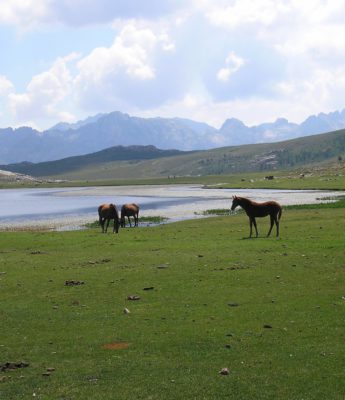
pixel 148 220
pixel 213 294
pixel 327 177
pixel 216 211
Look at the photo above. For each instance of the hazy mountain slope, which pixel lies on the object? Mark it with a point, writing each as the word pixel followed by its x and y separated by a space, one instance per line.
pixel 225 160
pixel 106 130
pixel 65 165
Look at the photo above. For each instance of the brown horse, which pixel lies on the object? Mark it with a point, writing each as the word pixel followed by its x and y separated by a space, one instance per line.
pixel 129 210
pixel 254 209
pixel 107 212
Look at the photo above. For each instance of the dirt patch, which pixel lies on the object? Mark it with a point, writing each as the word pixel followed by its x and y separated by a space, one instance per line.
pixel 116 346
pixel 73 283
pixel 11 366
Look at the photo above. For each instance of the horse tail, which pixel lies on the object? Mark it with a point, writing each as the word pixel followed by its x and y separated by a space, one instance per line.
pixel 280 211
pixel 116 219
pixel 100 214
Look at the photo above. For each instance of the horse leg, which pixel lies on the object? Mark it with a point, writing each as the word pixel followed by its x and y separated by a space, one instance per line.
pixel 116 225
pixel 251 228
pixel 129 220
pixel 256 229
pixel 272 223
pixel 101 222
pixel 106 227
pixel 277 225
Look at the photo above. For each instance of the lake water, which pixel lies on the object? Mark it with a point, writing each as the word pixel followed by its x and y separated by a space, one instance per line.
pixel 71 207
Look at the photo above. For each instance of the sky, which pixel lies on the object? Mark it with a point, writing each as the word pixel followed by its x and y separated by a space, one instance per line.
pixel 206 60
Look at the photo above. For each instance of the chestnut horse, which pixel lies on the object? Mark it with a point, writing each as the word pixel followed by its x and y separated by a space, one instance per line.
pixel 129 210
pixel 254 209
pixel 107 212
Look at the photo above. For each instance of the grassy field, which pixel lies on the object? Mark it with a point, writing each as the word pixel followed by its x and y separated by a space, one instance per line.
pixel 270 310
pixel 322 176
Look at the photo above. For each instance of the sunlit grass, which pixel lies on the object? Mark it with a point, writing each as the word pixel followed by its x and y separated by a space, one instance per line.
pixel 269 310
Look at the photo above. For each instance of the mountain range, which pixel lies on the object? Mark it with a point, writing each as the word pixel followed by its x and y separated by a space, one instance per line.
pixel 113 129
pixel 137 162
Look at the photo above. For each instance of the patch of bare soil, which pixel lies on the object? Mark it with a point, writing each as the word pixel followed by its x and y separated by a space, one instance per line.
pixel 116 346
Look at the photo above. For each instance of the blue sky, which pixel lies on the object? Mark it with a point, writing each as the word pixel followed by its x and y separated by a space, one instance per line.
pixel 208 60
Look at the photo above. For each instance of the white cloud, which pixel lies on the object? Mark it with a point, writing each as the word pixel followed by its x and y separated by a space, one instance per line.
pixel 23 13
pixel 44 93
pixel 6 86
pixel 172 58
pixel 119 76
pixel 129 54
pixel 232 64
pixel 242 12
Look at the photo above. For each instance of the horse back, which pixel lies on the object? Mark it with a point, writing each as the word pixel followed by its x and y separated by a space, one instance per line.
pixel 263 209
pixel 108 211
pixel 129 209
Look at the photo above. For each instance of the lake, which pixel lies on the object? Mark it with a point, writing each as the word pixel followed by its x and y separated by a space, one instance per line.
pixel 68 208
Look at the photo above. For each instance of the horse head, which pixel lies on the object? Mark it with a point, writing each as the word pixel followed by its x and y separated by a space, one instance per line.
pixel 235 202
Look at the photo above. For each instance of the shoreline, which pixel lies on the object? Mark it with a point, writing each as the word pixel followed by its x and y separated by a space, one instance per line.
pixel 197 201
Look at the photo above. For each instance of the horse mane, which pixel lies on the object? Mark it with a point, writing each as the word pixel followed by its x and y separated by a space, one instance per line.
pixel 244 200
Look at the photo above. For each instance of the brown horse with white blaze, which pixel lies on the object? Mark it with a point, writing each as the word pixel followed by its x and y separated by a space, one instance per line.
pixel 129 210
pixel 254 209
pixel 107 212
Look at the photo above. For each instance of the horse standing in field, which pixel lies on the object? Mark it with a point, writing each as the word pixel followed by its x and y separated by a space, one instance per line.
pixel 129 210
pixel 107 212
pixel 254 209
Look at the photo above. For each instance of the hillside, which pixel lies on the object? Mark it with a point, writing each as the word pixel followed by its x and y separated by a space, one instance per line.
pixel 107 130
pixel 70 164
pixel 147 161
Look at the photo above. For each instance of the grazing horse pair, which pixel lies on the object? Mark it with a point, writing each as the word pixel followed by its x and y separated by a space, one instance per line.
pixel 106 213
pixel 129 210
pixel 254 209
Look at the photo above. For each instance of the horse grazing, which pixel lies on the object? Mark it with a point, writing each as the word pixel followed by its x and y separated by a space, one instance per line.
pixel 108 212
pixel 254 209
pixel 129 210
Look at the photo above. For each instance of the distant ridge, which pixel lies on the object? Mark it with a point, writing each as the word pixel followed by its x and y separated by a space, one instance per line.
pixel 147 161
pixel 113 129
pixel 116 153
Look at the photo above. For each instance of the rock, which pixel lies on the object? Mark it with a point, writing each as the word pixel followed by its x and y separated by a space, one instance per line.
pixel 163 266
pixel 224 371
pixel 268 326
pixel 148 288
pixel 126 311
pixel 133 297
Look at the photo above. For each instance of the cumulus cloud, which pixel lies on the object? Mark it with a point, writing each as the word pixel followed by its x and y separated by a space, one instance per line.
pixel 118 74
pixel 44 93
pixel 242 12
pixel 232 64
pixel 23 14
pixel 181 58
pixel 129 54
pixel 6 86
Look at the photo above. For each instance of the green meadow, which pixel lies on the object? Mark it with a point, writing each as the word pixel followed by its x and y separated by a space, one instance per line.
pixel 270 310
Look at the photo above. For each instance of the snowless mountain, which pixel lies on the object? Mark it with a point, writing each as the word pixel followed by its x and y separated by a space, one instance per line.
pixel 116 128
